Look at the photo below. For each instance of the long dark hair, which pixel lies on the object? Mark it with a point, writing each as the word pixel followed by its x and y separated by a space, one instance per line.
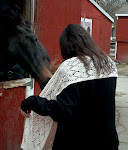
pixel 76 42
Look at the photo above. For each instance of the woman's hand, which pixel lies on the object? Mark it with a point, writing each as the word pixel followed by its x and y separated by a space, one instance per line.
pixel 25 106
pixel 25 114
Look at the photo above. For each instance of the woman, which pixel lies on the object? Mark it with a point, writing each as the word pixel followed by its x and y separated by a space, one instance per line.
pixel 82 95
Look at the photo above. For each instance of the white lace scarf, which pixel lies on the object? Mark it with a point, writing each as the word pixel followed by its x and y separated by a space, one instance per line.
pixel 37 128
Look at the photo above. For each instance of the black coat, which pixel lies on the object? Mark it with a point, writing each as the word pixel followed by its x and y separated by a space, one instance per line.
pixel 85 112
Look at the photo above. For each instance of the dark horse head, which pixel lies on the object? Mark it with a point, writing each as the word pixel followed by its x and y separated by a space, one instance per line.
pixel 18 44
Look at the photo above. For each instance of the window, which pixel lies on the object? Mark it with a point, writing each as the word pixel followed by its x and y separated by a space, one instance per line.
pixel 87 24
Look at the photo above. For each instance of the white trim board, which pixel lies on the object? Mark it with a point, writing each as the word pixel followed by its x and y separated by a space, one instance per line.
pixel 121 15
pixel 102 10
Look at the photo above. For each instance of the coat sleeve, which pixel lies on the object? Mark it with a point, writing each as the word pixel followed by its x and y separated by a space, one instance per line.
pixel 65 107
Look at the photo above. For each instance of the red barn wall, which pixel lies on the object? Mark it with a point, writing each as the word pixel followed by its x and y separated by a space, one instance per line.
pixel 101 25
pixel 122 29
pixel 11 120
pixel 122 51
pixel 122 39
pixel 106 26
pixel 53 17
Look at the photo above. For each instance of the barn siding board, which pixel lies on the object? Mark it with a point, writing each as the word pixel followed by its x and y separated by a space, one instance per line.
pixel 11 120
pixel 53 17
pixel 122 52
pixel 122 39
pixel 122 30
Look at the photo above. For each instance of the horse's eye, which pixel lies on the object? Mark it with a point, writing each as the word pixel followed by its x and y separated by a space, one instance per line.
pixel 36 39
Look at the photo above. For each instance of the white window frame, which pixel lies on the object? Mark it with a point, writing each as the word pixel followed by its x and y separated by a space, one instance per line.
pixel 85 22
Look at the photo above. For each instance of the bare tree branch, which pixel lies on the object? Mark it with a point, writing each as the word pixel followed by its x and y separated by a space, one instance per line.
pixel 111 7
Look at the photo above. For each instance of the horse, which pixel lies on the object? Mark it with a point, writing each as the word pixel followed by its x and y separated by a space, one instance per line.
pixel 20 45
